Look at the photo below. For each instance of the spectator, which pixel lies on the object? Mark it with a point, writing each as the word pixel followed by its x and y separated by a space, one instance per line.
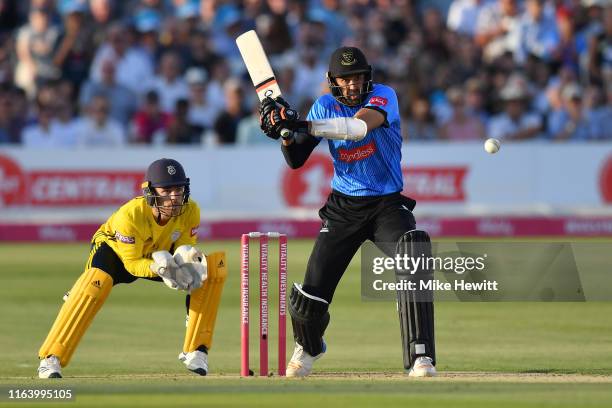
pixel 35 47
pixel 147 23
pixel 75 50
pixel 102 15
pixel 134 69
pixel 434 35
pixel 180 130
pixel 63 125
pixel 275 34
pixel 123 101
pixel 219 75
pixel 412 47
pixel 420 124
pixel 516 122
pixel 249 131
pixel 169 84
pixel 5 118
pixel 567 52
pixel 535 34
pixel 201 53
pixel 187 15
pixel 47 95
pixel 15 110
pixel 569 123
pixel 462 125
pixel 149 120
pixel 98 129
pixel 6 51
pixel 495 22
pixel 9 17
pixel 462 15
pixel 226 124
pixel 600 52
pixel 42 134
pixel 475 99
pixel 598 113
pixel 592 24
pixel 201 113
pixel 309 73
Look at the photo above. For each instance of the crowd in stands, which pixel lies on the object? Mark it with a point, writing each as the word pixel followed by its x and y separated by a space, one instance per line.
pixel 114 72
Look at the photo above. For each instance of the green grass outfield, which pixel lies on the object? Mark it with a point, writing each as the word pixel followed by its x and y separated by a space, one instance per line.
pixel 489 354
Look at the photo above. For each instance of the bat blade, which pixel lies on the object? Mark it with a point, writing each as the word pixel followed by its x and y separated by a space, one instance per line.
pixel 257 64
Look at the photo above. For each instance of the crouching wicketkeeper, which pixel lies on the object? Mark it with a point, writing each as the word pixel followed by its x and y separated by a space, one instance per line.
pixel 138 241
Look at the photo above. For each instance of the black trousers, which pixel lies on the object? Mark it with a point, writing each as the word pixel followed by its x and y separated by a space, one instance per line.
pixel 103 257
pixel 347 223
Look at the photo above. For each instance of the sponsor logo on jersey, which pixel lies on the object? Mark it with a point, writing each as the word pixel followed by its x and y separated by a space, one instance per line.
pixel 378 101
pixel 194 231
pixel 358 153
pixel 124 238
pixel 175 235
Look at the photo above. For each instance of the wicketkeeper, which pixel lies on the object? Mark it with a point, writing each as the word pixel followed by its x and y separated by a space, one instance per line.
pixel 361 121
pixel 150 237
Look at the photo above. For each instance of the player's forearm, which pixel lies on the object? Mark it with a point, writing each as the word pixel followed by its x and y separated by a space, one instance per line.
pixel 295 153
pixel 140 267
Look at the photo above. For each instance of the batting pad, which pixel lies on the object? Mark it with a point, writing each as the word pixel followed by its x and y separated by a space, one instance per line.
pixel 83 303
pixel 204 304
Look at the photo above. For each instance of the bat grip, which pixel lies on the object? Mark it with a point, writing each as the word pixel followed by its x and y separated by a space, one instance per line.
pixel 286 133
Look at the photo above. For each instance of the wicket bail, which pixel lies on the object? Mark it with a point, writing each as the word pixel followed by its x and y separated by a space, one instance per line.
pixel 263 301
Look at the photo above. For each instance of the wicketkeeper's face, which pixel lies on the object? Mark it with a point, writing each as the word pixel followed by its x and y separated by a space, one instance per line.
pixel 169 200
pixel 351 86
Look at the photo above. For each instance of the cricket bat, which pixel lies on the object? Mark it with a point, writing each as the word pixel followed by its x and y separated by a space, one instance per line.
pixel 257 64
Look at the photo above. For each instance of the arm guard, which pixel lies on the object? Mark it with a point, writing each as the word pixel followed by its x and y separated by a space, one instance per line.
pixel 339 128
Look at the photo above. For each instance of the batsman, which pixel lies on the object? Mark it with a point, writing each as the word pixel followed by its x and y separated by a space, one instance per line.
pixel 361 122
pixel 150 237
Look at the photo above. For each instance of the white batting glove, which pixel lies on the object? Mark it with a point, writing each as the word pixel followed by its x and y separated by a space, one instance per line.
pixel 166 268
pixel 193 263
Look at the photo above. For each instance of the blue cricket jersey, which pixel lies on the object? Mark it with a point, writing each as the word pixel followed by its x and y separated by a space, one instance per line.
pixel 370 167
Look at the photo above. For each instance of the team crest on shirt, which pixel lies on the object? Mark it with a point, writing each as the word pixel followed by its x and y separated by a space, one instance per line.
pixel 171 170
pixel 378 101
pixel 175 235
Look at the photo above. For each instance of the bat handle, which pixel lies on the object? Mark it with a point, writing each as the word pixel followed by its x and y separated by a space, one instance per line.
pixel 286 133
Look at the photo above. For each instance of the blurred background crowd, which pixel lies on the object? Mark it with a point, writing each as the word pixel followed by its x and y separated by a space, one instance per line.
pixel 116 72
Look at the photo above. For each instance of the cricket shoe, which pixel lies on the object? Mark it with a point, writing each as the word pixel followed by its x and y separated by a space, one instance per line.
pixel 196 361
pixel 422 367
pixel 300 364
pixel 50 368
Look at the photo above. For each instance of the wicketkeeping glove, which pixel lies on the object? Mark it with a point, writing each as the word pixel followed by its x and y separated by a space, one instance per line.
pixel 276 115
pixel 170 272
pixel 192 262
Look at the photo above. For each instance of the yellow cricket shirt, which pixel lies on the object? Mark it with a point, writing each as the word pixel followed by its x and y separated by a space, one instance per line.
pixel 134 235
